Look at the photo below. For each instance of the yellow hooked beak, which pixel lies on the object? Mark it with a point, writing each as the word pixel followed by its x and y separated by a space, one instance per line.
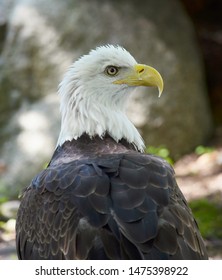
pixel 143 75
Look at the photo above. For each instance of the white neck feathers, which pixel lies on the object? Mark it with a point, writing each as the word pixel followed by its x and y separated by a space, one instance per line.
pixel 83 115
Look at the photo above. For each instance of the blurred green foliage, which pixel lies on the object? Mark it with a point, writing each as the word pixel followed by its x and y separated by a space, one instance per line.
pixel 7 193
pixel 160 151
pixel 209 217
pixel 200 150
pixel 4 196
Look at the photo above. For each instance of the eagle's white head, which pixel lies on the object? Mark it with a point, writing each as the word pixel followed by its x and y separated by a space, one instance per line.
pixel 94 92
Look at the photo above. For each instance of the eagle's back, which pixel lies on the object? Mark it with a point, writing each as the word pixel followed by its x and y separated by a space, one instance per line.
pixel 99 199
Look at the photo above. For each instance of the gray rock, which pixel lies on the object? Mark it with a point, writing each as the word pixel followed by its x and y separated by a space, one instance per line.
pixel 30 151
pixel 44 37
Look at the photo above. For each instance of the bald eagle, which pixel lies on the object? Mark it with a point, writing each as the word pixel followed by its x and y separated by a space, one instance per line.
pixel 101 196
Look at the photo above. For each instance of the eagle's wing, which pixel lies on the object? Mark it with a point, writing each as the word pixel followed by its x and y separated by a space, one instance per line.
pixel 125 206
pixel 156 218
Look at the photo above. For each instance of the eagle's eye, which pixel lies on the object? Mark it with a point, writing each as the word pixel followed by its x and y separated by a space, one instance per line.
pixel 111 70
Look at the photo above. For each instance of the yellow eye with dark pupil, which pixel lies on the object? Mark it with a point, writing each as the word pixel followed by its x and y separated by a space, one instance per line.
pixel 111 70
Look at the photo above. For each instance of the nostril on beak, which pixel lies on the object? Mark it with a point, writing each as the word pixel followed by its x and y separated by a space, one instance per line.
pixel 141 70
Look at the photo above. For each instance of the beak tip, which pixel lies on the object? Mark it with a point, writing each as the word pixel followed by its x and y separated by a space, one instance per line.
pixel 160 93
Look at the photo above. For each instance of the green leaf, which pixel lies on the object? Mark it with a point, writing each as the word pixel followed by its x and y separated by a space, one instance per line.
pixel 200 150
pixel 209 217
pixel 160 151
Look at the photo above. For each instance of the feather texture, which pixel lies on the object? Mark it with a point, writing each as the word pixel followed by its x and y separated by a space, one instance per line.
pixel 110 202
